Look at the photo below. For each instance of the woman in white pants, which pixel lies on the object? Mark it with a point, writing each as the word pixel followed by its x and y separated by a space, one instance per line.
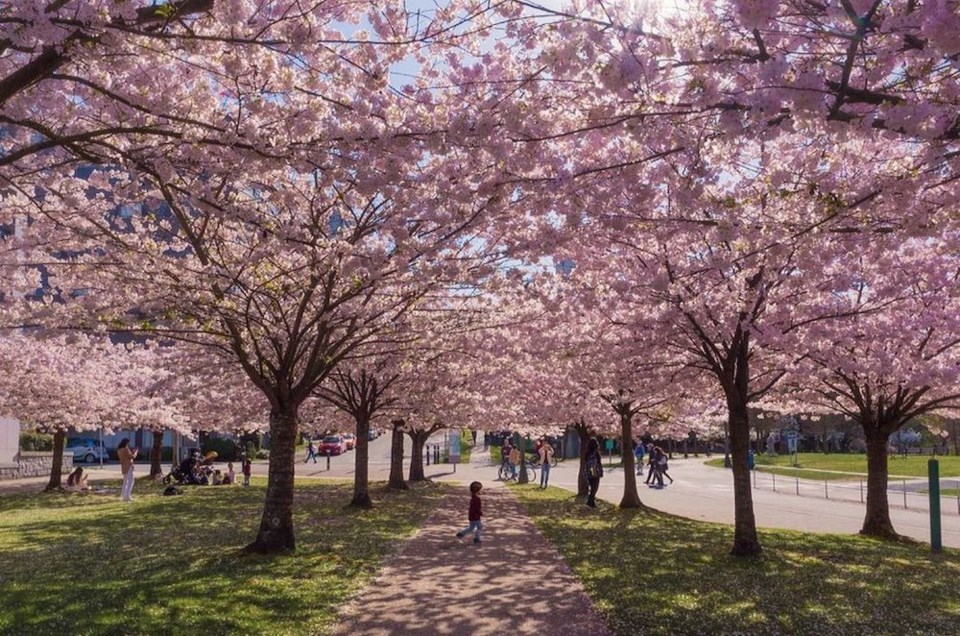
pixel 126 455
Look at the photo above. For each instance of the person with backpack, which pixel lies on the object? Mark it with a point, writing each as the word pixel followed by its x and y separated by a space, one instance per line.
pixel 592 470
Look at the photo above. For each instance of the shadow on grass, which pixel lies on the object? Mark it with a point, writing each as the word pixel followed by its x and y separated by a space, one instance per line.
pixel 652 573
pixel 89 564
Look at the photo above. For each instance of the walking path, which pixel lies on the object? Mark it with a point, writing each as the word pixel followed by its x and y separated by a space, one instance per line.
pixel 513 583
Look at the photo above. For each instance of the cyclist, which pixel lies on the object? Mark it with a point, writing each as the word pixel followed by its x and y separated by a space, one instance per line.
pixel 505 452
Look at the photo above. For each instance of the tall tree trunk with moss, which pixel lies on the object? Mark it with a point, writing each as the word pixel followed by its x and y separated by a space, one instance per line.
pixel 631 498
pixel 396 481
pixel 276 523
pixel 56 469
pixel 361 479
pixel 156 470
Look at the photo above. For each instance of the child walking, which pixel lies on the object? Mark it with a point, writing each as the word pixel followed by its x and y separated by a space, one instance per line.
pixel 476 526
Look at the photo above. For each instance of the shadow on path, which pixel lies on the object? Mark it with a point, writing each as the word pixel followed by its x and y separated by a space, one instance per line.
pixel 514 582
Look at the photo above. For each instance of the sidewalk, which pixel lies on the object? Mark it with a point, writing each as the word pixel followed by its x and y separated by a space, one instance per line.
pixel 514 582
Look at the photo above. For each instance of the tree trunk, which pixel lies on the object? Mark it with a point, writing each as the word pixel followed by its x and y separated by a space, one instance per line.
pixel 745 540
pixel 583 434
pixel 419 438
pixel 522 475
pixel 276 524
pixel 876 522
pixel 56 470
pixel 396 457
pixel 156 470
pixel 361 478
pixel 631 499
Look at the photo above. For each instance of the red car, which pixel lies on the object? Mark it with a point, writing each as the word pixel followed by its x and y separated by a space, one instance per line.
pixel 351 440
pixel 332 445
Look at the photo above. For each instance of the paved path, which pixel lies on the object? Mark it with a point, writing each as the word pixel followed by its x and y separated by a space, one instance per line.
pixel 513 583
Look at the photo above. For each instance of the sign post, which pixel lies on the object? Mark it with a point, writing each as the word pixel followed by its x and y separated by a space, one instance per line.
pixel 933 474
pixel 609 445
pixel 454 450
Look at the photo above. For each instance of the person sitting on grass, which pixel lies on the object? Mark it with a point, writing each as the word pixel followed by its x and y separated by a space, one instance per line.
pixel 77 480
pixel 230 477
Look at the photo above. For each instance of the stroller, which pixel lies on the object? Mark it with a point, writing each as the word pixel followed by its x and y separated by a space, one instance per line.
pixel 193 470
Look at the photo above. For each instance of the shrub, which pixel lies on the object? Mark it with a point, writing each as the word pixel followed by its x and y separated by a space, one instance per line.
pixel 226 449
pixel 34 441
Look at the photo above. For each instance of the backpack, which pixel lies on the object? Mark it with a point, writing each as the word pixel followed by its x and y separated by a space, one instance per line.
pixel 592 468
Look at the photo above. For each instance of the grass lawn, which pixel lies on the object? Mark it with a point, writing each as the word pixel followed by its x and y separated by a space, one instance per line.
pixel 847 465
pixel 651 573
pixel 466 446
pixel 89 564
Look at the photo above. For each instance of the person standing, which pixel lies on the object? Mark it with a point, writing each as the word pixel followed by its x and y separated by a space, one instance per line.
pixel 546 454
pixel 126 456
pixel 505 449
pixel 245 468
pixel 514 461
pixel 474 514
pixel 593 470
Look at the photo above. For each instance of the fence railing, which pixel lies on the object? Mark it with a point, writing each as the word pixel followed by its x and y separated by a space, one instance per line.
pixel 904 493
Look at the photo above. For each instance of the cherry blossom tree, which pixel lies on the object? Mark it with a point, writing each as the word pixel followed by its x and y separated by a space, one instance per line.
pixel 363 392
pixel 58 383
pixel 885 368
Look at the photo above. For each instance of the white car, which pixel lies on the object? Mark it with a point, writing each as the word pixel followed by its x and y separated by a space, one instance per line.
pixel 86 449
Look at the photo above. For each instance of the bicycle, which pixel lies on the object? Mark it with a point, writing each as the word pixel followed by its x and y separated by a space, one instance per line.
pixel 534 459
pixel 504 474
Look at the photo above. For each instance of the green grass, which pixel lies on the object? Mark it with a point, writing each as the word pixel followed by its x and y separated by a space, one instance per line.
pixel 466 446
pixel 839 466
pixel 945 492
pixel 654 574
pixel 89 564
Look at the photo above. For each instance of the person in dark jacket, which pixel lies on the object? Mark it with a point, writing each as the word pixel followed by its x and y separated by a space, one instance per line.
pixel 474 515
pixel 593 470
